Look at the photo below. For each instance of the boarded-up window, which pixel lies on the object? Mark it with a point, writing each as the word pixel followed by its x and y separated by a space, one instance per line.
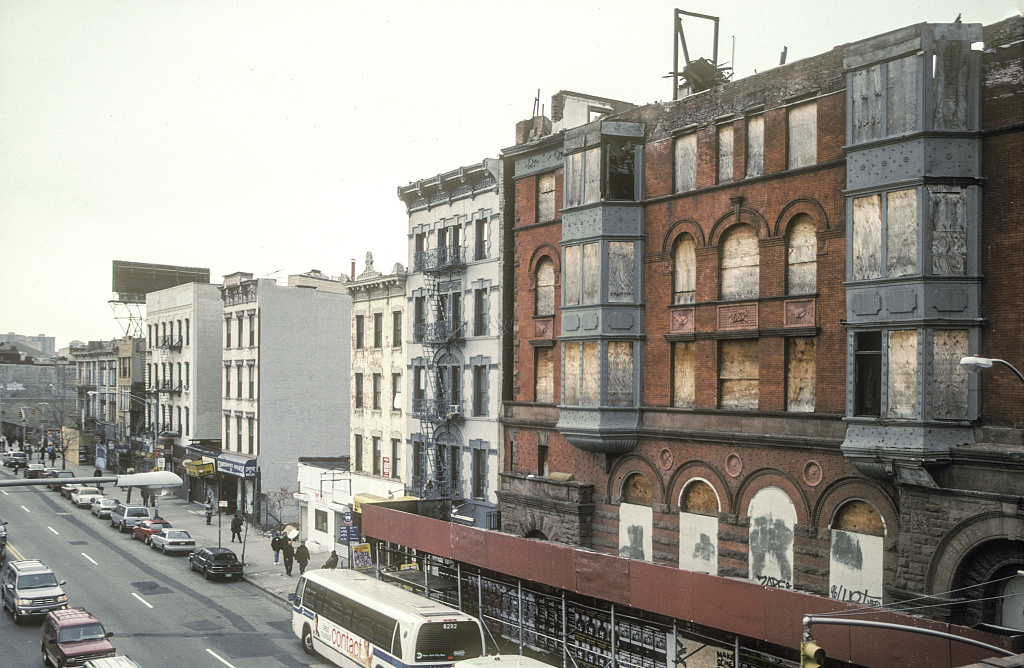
pixel 591 274
pixel 772 523
pixel 543 375
pixel 740 264
pixel 902 389
pixel 684 270
pixel 699 498
pixel 801 257
pixel 545 300
pixel 636 517
pixel 738 374
pixel 950 75
pixel 901 96
pixel 636 489
pixel 581 380
pixel 621 271
pixel 950 379
pixel 724 153
pixel 698 528
pixel 803 135
pixel 583 177
pixel 755 146
pixel 573 194
pixel 590 394
pixel 855 564
pixel 949 231
pixel 683 385
pixel 867 237
pixel 545 197
pixel 866 104
pixel 571 374
pixel 571 289
pixel 592 176
pixel 800 374
pixel 901 233
pixel 686 163
pixel 620 373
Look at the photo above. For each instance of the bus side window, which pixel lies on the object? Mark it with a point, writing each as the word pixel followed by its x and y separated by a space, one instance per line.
pixel 396 642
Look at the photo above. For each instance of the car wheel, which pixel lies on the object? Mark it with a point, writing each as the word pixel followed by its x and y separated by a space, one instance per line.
pixel 131 535
pixel 15 617
pixel 206 573
pixel 191 565
pixel 307 640
pixel 163 550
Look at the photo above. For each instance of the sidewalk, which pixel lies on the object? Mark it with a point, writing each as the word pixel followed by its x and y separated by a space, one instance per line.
pixel 254 552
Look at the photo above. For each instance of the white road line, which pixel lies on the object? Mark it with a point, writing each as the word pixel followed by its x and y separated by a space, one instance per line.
pixel 55 533
pixel 214 655
pixel 90 559
pixel 26 509
pixel 144 601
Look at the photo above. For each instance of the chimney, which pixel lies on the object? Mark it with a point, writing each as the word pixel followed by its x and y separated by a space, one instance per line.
pixel 353 269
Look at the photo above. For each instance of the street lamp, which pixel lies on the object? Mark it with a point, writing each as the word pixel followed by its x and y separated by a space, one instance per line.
pixel 975 364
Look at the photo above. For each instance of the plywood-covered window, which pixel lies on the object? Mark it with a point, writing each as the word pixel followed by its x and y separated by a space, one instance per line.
pixel 725 153
pixel 901 233
pixel 582 275
pixel 620 373
pixel 856 554
pixel 571 374
pixel 949 395
pixel 621 271
pixel 590 393
pixel 581 378
pixel 571 290
pixel 683 378
pixel 543 375
pixel 591 278
pixel 903 375
pixel 583 177
pixel 772 525
pixel 685 163
pixel 866 104
pixel 800 374
pixel 901 95
pixel 636 518
pixel 545 299
pixel 740 275
pixel 755 146
pixel 801 257
pixel 802 144
pixel 949 230
pixel 867 237
pixel 684 270
pixel 546 197
pixel 950 76
pixel 698 528
pixel 738 374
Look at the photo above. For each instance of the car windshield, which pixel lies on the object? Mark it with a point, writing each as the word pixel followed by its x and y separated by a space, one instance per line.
pixel 37 581
pixel 80 633
pixel 177 534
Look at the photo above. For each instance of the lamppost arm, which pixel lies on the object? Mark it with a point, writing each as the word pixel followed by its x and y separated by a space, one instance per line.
pixel 974 364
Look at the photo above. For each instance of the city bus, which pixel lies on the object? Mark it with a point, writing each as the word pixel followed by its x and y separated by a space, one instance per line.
pixel 357 621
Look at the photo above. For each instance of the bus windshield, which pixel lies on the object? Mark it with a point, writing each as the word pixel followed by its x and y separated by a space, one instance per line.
pixel 440 641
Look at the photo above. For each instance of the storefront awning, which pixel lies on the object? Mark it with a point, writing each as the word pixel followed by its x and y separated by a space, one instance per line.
pixel 240 466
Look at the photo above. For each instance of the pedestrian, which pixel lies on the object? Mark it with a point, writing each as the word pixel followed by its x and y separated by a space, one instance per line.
pixel 276 543
pixel 332 561
pixel 53 456
pixel 236 528
pixel 302 556
pixel 209 510
pixel 289 556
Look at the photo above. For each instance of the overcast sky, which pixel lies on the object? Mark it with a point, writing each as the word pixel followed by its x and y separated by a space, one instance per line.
pixel 271 137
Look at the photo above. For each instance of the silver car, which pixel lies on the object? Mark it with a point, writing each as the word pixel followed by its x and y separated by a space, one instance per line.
pixel 103 506
pixel 172 540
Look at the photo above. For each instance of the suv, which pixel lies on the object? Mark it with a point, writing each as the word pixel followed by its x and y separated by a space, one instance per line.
pixel 126 517
pixel 16 460
pixel 73 636
pixel 3 540
pixel 28 587
pixel 59 478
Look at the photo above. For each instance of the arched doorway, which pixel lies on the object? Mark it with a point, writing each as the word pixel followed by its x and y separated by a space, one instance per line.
pixel 636 518
pixel 698 527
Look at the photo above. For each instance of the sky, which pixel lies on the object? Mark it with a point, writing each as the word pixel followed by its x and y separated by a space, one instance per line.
pixel 271 136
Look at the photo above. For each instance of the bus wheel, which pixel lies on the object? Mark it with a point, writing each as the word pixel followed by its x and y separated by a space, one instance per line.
pixel 307 640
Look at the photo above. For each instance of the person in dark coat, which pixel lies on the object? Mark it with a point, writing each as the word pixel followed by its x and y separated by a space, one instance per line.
pixel 332 561
pixel 236 528
pixel 302 556
pixel 276 544
pixel 289 556
pixel 209 510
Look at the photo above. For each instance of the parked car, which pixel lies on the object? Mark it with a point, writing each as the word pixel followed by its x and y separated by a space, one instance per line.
pixel 172 540
pixel 111 662
pixel 73 636
pixel 3 540
pixel 146 528
pixel 68 487
pixel 124 517
pixel 59 479
pixel 28 587
pixel 102 506
pixel 215 562
pixel 33 471
pixel 83 497
pixel 15 460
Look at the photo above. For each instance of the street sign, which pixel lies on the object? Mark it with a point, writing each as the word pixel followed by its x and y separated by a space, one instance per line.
pixel 347 517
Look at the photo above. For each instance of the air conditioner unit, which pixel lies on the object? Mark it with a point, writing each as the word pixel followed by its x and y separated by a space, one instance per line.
pixel 454 411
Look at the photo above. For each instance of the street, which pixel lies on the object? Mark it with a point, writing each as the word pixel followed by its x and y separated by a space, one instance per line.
pixel 158 610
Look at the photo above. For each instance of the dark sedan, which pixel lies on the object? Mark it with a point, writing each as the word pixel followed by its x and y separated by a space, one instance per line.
pixel 215 562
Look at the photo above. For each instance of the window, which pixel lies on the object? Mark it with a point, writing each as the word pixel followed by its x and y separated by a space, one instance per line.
pixel 359 332
pixel 686 163
pixel 376 455
pixel 620 373
pixel 420 248
pixel 378 330
pixel 902 388
pixel 419 388
pixel 252 381
pixel 800 374
pixel 544 301
pixel 451 313
pixel 684 270
pixel 725 153
pixel 417 461
pixel 238 433
pixel 543 375
pixel 621 271
pixel 252 330
pixel 396 461
pixel 251 431
pixel 419 318
pixel 738 374
pixel 755 146
pixel 542 459
pixel 698 527
pixel 449 383
pixel 772 525
pixel 867 395
pixel 227 430
pixel 482 239
pixel 480 390
pixel 479 473
pixel 582 371
pixel 357 446
pixel 320 520
pixel 188 332
pixel 885 234
pixel 582 274
pixel 227 382
pixel 740 274
pixel 802 149
pixel 227 332
pixel 480 312
pixel 239 330
pixel 454 470
pixel 857 528
pixel 396 329
pixel 801 257
pixel 583 177
pixel 378 389
pixel 683 374
pixel 359 390
pixel 396 391
pixel 238 381
pixel 188 428
pixel 545 197
pixel 180 338
pixel 187 378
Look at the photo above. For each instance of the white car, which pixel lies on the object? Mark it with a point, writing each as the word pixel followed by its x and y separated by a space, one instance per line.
pixel 172 540
pixel 102 506
pixel 84 497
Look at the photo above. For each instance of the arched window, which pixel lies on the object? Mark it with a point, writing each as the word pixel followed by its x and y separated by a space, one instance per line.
pixel 545 298
pixel 855 562
pixel 684 270
pixel 740 264
pixel 801 257
pixel 772 520
pixel 636 518
pixel 698 528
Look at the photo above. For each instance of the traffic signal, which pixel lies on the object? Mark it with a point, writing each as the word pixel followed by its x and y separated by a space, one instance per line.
pixel 811 654
pixel 33 411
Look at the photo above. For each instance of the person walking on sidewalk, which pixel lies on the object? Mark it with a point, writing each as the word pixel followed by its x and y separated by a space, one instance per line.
pixel 302 556
pixel 236 528
pixel 289 556
pixel 276 543
pixel 209 510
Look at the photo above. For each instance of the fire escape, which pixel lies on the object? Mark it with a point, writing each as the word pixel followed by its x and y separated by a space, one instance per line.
pixel 438 401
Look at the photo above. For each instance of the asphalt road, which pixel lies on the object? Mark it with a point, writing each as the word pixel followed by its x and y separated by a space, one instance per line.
pixel 161 614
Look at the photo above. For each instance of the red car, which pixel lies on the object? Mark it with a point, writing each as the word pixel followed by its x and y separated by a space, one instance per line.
pixel 146 528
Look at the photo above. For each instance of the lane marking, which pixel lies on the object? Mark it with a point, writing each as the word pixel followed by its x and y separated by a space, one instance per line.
pixel 216 656
pixel 144 601
pixel 90 559
pixel 55 533
pixel 26 509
